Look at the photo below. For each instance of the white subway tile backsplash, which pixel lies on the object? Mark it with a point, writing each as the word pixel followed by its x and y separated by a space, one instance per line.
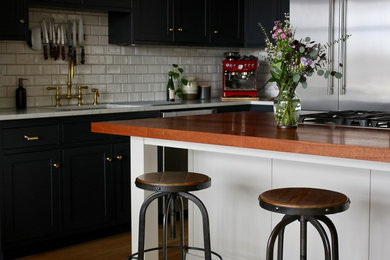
pixel 121 73
pixel 148 78
pixel 148 59
pixel 8 59
pixel 120 78
pixel 16 47
pixel 139 69
pixel 113 69
pixel 134 78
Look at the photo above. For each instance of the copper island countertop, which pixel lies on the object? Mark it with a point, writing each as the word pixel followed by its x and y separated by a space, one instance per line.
pixel 258 130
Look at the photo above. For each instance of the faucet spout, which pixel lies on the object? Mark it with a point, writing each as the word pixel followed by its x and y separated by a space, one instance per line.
pixel 70 76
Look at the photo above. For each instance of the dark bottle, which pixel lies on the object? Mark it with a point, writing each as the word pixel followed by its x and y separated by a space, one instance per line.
pixel 170 90
pixel 21 95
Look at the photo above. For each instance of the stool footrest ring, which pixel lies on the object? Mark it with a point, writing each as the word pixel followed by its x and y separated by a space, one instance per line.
pixel 186 248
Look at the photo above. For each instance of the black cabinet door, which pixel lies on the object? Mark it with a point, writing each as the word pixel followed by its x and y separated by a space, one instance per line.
pixel 117 5
pixel 31 196
pixel 152 21
pixel 65 3
pixel 265 12
pixel 121 178
pixel 87 188
pixel 13 20
pixel 226 22
pixel 190 24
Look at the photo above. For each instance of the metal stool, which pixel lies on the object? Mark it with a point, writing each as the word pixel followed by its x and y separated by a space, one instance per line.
pixel 304 205
pixel 173 186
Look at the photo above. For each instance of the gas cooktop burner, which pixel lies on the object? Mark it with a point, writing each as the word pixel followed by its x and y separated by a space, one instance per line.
pixel 349 118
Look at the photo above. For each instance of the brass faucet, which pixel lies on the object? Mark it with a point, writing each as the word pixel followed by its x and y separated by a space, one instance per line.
pixel 69 95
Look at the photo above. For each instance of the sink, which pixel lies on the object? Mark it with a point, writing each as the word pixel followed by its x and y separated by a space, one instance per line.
pixel 116 105
pixel 91 107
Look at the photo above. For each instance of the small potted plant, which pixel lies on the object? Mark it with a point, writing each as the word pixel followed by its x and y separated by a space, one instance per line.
pixel 175 74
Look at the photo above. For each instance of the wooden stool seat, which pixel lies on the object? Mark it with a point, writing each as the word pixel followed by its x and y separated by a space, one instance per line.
pixel 173 181
pixel 304 201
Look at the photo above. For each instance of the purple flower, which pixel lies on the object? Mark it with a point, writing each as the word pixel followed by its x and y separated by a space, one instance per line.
pixel 306 61
pixel 274 35
pixel 277 21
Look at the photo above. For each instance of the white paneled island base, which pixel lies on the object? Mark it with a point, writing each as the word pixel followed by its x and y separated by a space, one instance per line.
pixel 240 228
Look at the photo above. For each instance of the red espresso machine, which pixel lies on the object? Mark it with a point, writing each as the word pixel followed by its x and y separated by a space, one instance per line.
pixel 239 78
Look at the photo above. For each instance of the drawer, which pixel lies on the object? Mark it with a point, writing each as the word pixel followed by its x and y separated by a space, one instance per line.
pixel 78 132
pixel 30 136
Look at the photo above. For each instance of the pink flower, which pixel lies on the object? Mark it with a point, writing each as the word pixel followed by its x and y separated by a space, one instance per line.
pixel 279 30
pixel 274 35
pixel 275 27
pixel 283 36
pixel 277 21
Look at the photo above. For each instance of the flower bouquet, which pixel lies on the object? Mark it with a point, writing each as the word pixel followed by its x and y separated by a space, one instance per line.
pixel 291 62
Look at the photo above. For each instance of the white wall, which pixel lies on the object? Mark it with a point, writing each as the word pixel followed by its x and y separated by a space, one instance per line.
pixel 121 73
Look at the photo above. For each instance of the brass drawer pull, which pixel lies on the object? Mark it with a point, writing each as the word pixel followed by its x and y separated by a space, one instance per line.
pixel 31 138
pixel 119 157
pixel 108 159
pixel 56 165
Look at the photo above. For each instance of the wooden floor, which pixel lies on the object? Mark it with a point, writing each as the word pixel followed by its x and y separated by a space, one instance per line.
pixel 115 247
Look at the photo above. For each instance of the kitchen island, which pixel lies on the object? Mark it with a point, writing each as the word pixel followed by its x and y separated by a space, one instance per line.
pixel 245 154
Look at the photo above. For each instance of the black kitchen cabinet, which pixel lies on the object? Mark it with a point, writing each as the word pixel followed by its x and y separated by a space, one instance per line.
pixel 112 5
pixel 231 23
pixel 264 12
pixel 13 20
pixel 164 22
pixel 226 17
pixel 31 197
pixel 190 24
pixel 61 183
pixel 121 179
pixel 87 188
pixel 150 25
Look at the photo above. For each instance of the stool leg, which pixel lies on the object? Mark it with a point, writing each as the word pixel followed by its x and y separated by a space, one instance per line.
pixel 206 226
pixel 333 234
pixel 303 250
pixel 182 248
pixel 173 216
pixel 280 244
pixel 323 235
pixel 141 231
pixel 169 201
pixel 287 219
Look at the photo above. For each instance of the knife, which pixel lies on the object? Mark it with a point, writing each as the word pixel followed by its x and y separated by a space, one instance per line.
pixel 56 40
pixel 81 41
pixel 51 32
pixel 45 39
pixel 63 54
pixel 69 39
pixel 74 42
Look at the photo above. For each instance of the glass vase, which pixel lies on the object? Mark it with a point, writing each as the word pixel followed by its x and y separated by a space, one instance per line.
pixel 287 107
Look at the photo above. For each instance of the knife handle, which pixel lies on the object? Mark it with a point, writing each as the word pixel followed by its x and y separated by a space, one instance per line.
pixel 63 52
pixel 74 56
pixel 55 52
pixel 82 59
pixel 51 50
pixel 45 54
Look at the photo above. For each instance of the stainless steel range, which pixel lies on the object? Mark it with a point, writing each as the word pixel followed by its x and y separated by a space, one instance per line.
pixel 349 118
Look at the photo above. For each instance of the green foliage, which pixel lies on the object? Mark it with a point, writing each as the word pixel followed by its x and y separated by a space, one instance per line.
pixel 292 60
pixel 176 74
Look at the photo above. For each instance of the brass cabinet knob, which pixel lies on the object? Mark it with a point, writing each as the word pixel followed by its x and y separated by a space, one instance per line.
pixel 119 157
pixel 180 29
pixel 170 29
pixel 108 159
pixel 22 21
pixel 31 138
pixel 215 31
pixel 56 165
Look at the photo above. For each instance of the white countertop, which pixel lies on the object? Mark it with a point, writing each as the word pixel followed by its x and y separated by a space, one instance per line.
pixel 45 112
